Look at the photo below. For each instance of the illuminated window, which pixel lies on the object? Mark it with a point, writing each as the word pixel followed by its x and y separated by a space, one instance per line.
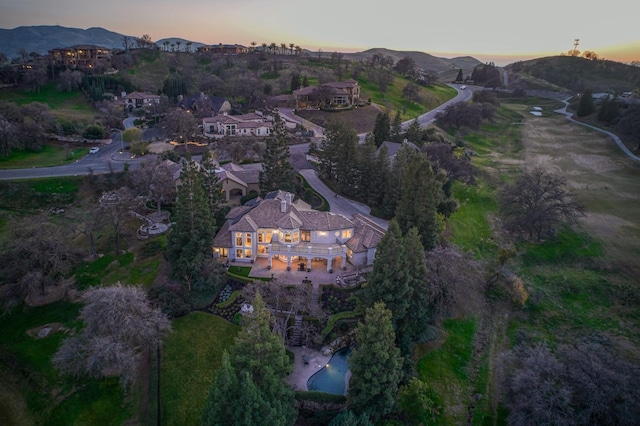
pixel 247 253
pixel 346 233
pixel 287 237
pixel 238 239
pixel 295 237
pixel 247 241
pixel 239 253
pixel 263 249
pixel 305 236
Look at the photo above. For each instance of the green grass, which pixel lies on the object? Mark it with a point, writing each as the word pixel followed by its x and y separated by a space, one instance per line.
pixel 70 105
pixel 242 271
pixel 109 269
pixel 77 402
pixel 190 360
pixel 430 96
pixel 469 225
pixel 49 155
pixel 567 245
pixel 444 368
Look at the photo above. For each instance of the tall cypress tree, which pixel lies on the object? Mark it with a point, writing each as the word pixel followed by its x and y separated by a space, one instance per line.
pixel 277 172
pixel 376 365
pixel 421 193
pixel 388 282
pixel 381 129
pixel 396 128
pixel 191 238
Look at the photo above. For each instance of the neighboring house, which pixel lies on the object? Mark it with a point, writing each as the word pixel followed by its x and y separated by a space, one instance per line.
pixel 238 181
pixel 223 49
pixel 237 125
pixel 205 105
pixel 136 100
pixel 81 56
pixel 291 232
pixel 334 94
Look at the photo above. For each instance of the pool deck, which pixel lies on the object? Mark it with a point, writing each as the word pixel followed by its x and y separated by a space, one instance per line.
pixel 301 371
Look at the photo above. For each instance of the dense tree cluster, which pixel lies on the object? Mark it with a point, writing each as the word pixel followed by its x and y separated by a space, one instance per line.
pixel 573 385
pixel 277 172
pixel 250 387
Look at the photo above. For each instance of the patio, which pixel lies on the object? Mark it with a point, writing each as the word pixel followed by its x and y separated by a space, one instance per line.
pixel 318 274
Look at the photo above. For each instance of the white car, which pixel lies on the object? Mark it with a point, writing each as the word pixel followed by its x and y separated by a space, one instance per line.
pixel 94 150
pixel 463 87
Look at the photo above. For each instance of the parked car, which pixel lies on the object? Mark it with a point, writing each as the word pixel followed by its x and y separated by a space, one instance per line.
pixel 94 150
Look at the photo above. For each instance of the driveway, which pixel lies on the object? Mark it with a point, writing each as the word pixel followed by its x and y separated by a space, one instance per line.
pixel 337 203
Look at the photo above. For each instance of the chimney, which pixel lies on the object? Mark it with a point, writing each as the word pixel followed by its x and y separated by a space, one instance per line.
pixel 288 197
pixel 283 206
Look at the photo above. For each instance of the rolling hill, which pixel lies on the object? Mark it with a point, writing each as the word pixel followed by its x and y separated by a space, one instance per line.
pixel 422 59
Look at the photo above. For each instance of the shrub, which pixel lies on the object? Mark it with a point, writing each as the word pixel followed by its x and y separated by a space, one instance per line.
pixel 93 132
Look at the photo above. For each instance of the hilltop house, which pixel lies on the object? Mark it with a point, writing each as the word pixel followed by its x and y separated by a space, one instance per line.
pixel 237 125
pixel 81 56
pixel 223 49
pixel 277 227
pixel 334 94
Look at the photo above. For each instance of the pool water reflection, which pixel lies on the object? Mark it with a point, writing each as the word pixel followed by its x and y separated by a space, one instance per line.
pixel 331 378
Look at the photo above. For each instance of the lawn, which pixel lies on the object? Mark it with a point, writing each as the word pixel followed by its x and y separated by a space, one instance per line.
pixel 69 105
pixel 49 155
pixel 190 359
pixel 25 363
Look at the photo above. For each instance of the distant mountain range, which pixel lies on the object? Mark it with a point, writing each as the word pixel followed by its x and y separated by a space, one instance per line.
pixel 42 38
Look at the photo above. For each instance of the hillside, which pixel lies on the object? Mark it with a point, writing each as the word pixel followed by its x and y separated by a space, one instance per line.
pixel 422 59
pixel 576 74
pixel 42 38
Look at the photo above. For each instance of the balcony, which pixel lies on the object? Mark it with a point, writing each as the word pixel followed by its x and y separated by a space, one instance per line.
pixel 308 248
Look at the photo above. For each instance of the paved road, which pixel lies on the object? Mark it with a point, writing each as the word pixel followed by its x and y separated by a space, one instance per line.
pixel 339 204
pixel 615 138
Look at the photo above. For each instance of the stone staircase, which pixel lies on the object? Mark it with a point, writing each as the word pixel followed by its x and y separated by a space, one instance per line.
pixel 296 332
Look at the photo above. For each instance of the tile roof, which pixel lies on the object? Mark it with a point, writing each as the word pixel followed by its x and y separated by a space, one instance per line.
pixel 366 236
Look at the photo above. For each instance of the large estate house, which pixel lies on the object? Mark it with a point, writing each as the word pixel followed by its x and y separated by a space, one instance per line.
pixel 81 56
pixel 237 125
pixel 291 232
pixel 136 100
pixel 337 94
pixel 238 181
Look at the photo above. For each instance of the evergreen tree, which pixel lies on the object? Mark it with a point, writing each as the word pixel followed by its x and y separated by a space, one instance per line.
pixel 396 128
pixel 608 111
pixel 459 76
pixel 338 153
pixel 381 129
pixel 219 409
pixel 388 282
pixel 277 172
pixel 260 353
pixel 414 133
pixel 212 184
pixel 586 105
pixel 412 326
pixel 347 418
pixel 421 193
pixel 295 82
pixel 191 238
pixel 375 365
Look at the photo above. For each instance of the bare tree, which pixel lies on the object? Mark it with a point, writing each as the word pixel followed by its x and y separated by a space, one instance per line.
pixel 536 203
pixel 69 81
pixel 455 281
pixel 116 208
pixel 120 326
pixel 156 182
pixel 180 124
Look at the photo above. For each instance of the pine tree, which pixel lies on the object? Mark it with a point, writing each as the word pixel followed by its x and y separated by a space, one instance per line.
pixel 396 128
pixel 212 184
pixel 412 326
pixel 277 172
pixel 191 238
pixel 421 193
pixel 375 365
pixel 381 129
pixel 259 352
pixel 388 282
pixel 219 409
pixel 586 105
pixel 459 77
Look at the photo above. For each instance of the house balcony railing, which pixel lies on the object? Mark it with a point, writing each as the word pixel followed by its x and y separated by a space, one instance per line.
pixel 307 248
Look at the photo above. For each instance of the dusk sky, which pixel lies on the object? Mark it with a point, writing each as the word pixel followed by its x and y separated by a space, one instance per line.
pixel 495 30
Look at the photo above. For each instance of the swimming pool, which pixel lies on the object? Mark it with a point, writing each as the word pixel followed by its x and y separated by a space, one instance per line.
pixel 331 378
